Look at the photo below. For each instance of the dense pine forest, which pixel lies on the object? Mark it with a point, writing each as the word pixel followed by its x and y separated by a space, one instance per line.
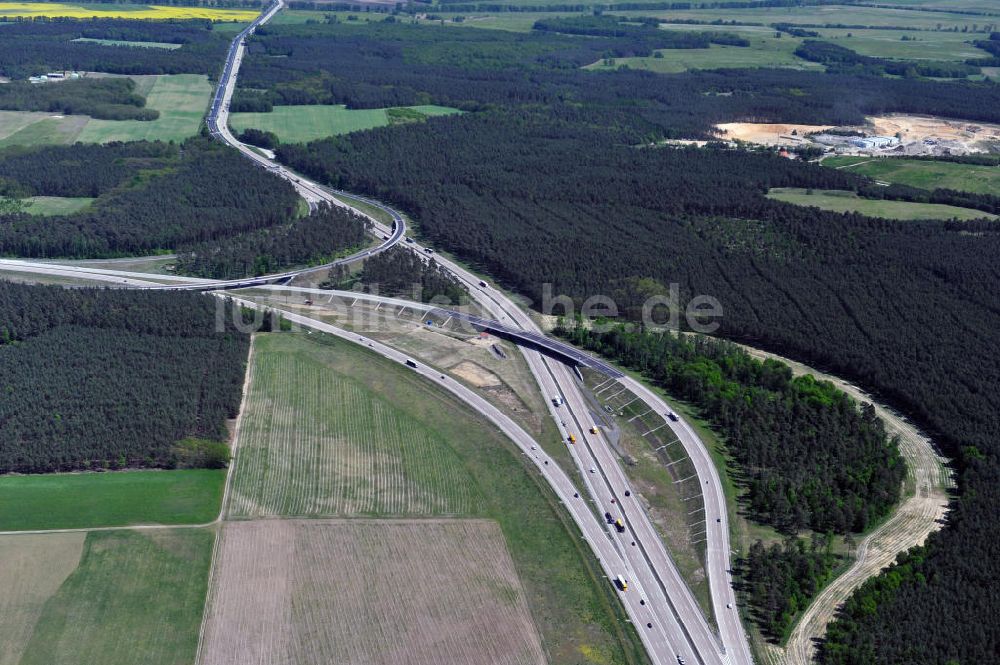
pixel 36 47
pixel 781 580
pixel 317 238
pixel 806 455
pixel 77 170
pixel 400 65
pixel 107 379
pixel 907 309
pixel 158 197
pixel 106 98
pixel 401 273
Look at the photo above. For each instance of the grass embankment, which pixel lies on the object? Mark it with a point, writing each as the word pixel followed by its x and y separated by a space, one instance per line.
pixel 924 174
pixel 84 500
pixel 663 475
pixel 574 608
pixel 842 201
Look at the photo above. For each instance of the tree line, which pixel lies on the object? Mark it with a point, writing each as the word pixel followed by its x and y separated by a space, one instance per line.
pixel 397 272
pixel 105 98
pixel 319 237
pixel 621 26
pixel 842 59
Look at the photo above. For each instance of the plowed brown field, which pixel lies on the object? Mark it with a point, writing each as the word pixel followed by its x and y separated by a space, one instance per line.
pixel 386 592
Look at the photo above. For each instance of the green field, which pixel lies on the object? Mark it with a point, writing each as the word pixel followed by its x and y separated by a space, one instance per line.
pixel 181 100
pixel 78 500
pixel 118 42
pixel 764 51
pixel 919 45
pixel 839 201
pixel 299 124
pixel 926 42
pixel 136 597
pixel 822 15
pixel 31 128
pixel 322 411
pixel 933 22
pixel 923 174
pixel 327 444
pixel 990 6
pixel 56 205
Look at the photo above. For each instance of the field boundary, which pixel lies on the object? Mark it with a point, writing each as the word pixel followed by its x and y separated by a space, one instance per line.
pixel 210 590
pixel 251 362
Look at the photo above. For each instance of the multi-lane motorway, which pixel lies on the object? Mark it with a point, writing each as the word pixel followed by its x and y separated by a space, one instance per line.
pixel 658 601
pixel 640 599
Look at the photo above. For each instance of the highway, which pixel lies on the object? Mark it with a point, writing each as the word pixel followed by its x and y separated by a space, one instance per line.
pixel 608 551
pixel 658 601
pixel 683 630
pixel 690 633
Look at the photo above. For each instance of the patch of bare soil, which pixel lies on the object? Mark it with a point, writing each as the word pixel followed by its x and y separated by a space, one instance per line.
pixel 475 374
pixel 765 133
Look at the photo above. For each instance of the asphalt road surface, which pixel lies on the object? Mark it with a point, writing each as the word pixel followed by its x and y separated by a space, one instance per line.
pixel 645 614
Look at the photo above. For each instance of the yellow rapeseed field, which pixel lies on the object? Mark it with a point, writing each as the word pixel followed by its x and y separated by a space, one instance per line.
pixel 53 9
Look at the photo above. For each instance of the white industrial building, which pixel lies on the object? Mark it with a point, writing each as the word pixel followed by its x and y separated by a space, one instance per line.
pixel 872 142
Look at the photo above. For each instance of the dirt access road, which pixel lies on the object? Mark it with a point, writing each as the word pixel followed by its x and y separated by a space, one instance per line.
pixel 928 483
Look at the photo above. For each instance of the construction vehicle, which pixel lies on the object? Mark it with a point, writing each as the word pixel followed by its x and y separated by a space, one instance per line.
pixel 621 583
pixel 593 429
pixel 619 526
pixel 571 438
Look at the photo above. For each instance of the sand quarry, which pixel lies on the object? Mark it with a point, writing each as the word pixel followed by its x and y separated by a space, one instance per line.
pixel 963 136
